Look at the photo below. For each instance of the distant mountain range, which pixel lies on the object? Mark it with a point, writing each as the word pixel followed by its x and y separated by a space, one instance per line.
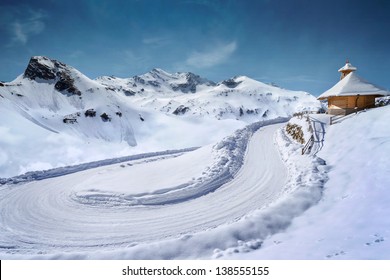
pixel 62 100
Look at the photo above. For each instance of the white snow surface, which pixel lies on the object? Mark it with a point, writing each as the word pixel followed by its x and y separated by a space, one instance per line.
pixel 351 219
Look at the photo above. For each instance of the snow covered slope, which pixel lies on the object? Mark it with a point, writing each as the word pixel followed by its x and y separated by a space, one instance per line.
pixel 351 220
pixel 57 97
pixel 86 119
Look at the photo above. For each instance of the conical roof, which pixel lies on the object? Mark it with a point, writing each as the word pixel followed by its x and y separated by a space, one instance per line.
pixel 347 67
pixel 353 85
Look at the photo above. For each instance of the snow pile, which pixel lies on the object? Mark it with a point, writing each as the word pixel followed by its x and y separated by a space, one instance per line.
pixel 350 221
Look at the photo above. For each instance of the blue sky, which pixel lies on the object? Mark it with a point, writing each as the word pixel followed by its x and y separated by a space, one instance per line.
pixel 295 44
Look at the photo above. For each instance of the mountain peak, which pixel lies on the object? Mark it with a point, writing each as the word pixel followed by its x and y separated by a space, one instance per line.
pixel 180 81
pixel 160 71
pixel 44 68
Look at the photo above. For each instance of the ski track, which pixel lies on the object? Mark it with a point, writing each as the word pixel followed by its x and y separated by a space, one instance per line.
pixel 46 217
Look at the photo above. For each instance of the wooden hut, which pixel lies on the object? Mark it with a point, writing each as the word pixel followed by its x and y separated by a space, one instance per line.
pixel 352 93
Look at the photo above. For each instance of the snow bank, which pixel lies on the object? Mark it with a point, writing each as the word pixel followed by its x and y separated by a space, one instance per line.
pixel 350 221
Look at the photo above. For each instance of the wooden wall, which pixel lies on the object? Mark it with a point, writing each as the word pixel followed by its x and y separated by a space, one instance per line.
pixel 344 105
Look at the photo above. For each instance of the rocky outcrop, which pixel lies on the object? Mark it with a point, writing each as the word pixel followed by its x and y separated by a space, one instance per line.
pixel 231 83
pixel 40 68
pixel 192 81
pixel 66 84
pixel 105 117
pixel 128 92
pixel 186 82
pixel 43 68
pixel 181 110
pixel 90 113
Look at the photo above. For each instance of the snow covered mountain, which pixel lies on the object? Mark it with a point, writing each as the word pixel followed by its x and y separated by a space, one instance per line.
pixel 61 99
pixel 188 94
pixel 153 111
pixel 157 80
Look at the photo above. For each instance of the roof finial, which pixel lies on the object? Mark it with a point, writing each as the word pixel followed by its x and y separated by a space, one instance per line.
pixel 347 61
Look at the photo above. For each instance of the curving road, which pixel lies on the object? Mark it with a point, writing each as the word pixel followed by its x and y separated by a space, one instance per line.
pixel 43 216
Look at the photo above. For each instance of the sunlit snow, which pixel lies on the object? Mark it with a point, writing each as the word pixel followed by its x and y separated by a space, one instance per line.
pixel 175 166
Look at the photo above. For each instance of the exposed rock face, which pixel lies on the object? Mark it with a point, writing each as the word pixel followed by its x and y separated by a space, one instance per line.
pixel 181 110
pixel 44 68
pixel 138 79
pixel 185 82
pixel 157 80
pixel 66 83
pixel 105 117
pixel 192 81
pixel 90 113
pixel 41 68
pixel 128 92
pixel 231 83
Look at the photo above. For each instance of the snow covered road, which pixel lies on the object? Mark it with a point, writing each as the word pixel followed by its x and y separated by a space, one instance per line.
pixel 48 216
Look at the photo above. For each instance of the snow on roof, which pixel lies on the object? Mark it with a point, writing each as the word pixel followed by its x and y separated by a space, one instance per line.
pixel 347 66
pixel 352 84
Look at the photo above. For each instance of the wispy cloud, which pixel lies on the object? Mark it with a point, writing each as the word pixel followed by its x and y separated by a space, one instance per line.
pixel 212 57
pixel 22 31
pixel 156 41
pixel 21 23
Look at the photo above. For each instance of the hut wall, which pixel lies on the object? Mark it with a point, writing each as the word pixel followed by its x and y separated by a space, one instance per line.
pixel 344 105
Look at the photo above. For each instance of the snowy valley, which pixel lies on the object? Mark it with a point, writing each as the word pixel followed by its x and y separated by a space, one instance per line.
pixel 174 166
